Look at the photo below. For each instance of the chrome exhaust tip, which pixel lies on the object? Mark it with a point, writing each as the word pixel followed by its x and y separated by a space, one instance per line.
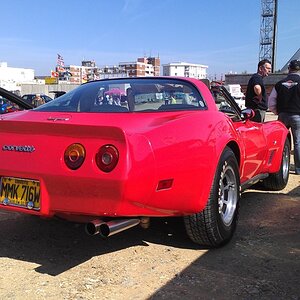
pixel 106 229
pixel 93 227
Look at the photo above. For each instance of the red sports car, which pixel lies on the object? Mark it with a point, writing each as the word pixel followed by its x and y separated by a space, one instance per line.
pixel 163 149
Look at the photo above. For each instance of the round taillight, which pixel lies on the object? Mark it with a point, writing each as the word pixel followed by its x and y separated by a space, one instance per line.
pixel 74 156
pixel 107 158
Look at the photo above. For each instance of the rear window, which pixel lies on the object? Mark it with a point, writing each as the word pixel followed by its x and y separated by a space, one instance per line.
pixel 129 95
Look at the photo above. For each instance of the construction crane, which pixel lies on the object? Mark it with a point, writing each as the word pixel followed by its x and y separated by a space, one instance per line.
pixel 268 30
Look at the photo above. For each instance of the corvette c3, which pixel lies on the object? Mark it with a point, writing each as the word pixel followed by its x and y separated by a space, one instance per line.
pixel 115 153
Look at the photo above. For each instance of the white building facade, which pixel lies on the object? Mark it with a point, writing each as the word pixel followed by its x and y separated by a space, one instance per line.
pixel 184 69
pixel 11 78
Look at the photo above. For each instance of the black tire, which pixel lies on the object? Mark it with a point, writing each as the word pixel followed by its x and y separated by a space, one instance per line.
pixel 278 181
pixel 215 225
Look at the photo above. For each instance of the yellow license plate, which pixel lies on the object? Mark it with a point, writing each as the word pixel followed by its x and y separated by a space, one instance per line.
pixel 20 192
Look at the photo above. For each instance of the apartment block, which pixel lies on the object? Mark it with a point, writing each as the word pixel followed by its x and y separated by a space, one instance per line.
pixel 11 77
pixel 144 66
pixel 184 69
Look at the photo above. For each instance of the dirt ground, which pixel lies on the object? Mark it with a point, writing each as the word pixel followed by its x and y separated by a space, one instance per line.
pixel 51 259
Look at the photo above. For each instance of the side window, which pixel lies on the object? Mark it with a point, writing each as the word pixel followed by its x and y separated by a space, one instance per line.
pixel 226 107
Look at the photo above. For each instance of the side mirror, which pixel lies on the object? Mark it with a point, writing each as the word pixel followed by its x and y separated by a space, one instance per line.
pixel 248 113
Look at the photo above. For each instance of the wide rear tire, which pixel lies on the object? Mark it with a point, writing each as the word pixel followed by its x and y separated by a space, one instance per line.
pixel 215 225
pixel 278 181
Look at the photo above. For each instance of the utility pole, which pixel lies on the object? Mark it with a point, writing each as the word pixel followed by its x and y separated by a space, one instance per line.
pixel 268 28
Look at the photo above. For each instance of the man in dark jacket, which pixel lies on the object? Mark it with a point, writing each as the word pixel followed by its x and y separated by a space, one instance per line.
pixel 284 101
pixel 256 96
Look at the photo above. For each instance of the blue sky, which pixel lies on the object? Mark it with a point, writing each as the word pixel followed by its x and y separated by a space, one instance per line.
pixel 221 34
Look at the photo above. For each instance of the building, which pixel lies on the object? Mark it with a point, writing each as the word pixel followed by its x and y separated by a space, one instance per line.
pixel 79 74
pixel 89 71
pixel 184 69
pixel 144 66
pixel 11 78
pixel 112 72
pixel 152 61
pixel 76 73
pixel 136 69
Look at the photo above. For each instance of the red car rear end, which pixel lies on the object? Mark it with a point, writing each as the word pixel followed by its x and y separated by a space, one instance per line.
pixel 164 149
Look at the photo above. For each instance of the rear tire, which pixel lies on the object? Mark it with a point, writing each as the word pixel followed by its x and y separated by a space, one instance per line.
pixel 215 225
pixel 278 181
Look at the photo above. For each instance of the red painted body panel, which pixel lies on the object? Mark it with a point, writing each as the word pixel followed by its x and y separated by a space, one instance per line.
pixel 181 146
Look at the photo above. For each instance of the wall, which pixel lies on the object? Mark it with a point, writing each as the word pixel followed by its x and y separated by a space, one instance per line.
pixel 243 79
pixel 46 88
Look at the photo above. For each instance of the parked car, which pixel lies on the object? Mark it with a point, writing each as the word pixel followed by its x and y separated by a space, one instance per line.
pixel 116 166
pixel 6 106
pixel 10 102
pixel 29 98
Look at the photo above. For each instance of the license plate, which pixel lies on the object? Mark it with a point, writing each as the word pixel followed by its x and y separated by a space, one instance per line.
pixel 20 192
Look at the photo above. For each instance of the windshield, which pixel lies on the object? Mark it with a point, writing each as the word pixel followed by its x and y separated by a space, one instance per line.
pixel 131 94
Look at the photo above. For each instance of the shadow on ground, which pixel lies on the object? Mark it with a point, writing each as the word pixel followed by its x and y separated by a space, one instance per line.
pixel 58 245
pixel 261 262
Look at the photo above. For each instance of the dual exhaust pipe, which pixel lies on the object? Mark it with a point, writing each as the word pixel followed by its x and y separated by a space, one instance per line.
pixel 106 229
